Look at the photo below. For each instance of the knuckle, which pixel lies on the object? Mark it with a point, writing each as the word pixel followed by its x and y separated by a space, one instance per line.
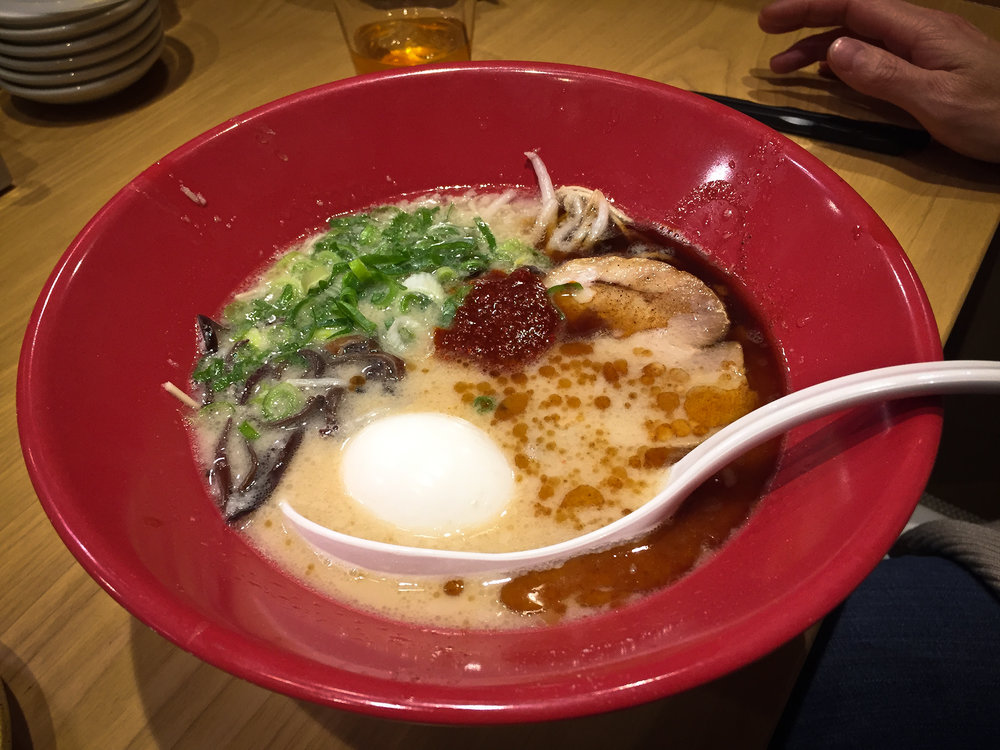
pixel 885 70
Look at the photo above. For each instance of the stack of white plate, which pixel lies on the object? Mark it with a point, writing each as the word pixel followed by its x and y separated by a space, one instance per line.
pixel 76 50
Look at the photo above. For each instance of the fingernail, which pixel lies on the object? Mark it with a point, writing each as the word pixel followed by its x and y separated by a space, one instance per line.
pixel 844 54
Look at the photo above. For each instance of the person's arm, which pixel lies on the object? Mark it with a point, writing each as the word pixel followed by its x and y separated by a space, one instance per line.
pixel 937 66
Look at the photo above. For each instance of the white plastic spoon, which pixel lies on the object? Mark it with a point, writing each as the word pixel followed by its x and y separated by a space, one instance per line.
pixel 713 454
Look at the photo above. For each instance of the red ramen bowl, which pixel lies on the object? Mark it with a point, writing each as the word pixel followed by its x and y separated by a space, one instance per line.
pixel 117 477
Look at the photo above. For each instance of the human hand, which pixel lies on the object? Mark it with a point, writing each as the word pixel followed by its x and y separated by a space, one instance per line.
pixel 937 66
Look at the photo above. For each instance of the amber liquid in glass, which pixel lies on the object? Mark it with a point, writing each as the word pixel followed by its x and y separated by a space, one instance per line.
pixel 398 43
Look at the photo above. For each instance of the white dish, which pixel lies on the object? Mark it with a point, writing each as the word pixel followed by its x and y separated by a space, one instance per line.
pixel 82 75
pixel 85 59
pixel 85 92
pixel 34 13
pixel 85 43
pixel 60 31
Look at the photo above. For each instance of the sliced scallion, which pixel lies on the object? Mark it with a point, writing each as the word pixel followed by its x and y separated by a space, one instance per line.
pixel 248 431
pixel 484 404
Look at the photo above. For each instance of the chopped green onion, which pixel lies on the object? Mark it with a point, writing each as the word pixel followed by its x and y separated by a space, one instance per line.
pixel 484 404
pixel 360 270
pixel 283 400
pixel 217 409
pixel 445 274
pixel 351 280
pixel 247 430
pixel 356 317
pixel 491 241
pixel 419 299
pixel 570 287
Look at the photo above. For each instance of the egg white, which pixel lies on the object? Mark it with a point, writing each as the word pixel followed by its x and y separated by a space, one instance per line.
pixel 428 473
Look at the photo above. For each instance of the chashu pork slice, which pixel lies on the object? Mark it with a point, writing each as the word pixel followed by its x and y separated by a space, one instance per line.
pixel 632 294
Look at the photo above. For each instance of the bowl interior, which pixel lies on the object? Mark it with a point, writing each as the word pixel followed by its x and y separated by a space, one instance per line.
pixel 110 459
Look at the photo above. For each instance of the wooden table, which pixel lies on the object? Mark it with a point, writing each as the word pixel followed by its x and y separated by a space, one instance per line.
pixel 82 671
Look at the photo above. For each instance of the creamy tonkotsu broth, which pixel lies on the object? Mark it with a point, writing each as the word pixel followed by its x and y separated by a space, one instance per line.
pixel 582 349
pixel 588 431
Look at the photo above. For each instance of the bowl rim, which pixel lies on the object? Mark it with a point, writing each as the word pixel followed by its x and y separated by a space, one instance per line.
pixel 457 706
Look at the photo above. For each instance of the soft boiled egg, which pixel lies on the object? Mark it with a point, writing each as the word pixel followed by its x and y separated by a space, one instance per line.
pixel 428 473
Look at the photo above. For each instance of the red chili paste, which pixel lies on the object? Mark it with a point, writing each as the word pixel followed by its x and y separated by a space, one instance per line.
pixel 505 322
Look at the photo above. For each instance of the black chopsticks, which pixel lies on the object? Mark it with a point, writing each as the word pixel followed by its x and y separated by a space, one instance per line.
pixel 879 137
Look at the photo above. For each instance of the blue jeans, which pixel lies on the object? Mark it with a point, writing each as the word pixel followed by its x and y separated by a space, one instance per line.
pixel 910 660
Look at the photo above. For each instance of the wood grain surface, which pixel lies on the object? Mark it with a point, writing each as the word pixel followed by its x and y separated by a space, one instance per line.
pixel 81 671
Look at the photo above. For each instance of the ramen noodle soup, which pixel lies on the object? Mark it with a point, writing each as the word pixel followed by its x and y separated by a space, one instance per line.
pixel 481 371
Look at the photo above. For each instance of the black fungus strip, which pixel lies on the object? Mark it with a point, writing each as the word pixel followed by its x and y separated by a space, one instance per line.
pixel 385 367
pixel 255 377
pixel 315 364
pixel 251 474
pixel 242 504
pixel 352 344
pixel 208 329
pixel 219 473
pixel 331 407
pixel 233 349
pixel 375 365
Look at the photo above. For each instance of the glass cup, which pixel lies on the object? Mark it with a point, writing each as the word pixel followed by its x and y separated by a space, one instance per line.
pixel 382 34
